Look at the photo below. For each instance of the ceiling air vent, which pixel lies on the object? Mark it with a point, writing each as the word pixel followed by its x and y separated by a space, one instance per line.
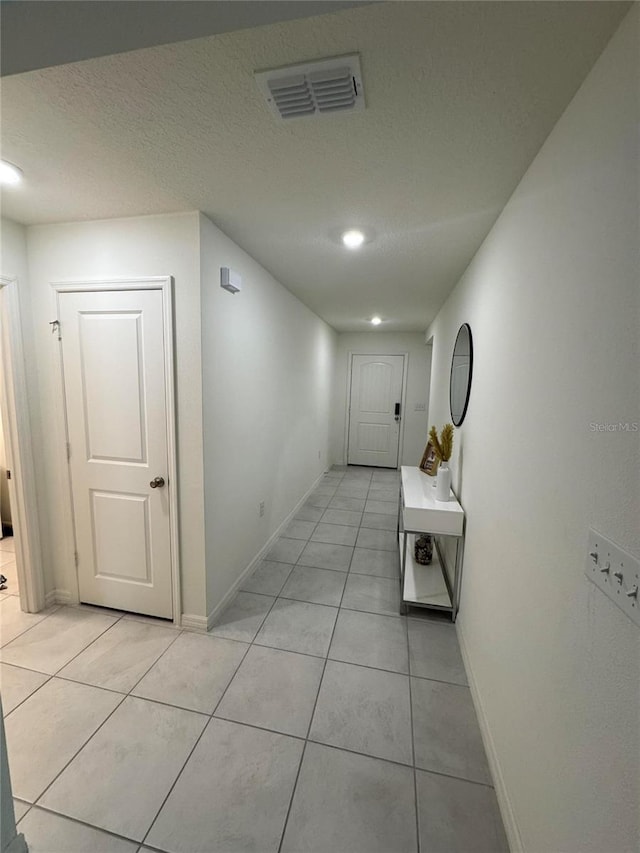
pixel 313 88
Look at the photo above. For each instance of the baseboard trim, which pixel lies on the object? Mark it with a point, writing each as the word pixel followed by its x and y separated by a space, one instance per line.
pixel 187 620
pixel 57 596
pixel 504 800
pixel 194 623
pixel 217 610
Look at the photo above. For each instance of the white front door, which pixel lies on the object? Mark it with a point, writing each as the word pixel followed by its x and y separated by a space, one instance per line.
pixel 113 354
pixel 374 411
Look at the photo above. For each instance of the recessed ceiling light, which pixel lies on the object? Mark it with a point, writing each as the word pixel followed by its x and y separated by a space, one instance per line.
pixel 353 239
pixel 375 321
pixel 9 174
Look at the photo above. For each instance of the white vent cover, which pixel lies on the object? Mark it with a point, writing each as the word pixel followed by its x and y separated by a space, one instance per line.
pixel 314 88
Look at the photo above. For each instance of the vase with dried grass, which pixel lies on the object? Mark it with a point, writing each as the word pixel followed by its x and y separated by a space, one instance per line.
pixel 443 447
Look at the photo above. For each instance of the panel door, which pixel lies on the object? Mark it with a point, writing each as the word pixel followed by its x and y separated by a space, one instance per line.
pixel 374 428
pixel 115 396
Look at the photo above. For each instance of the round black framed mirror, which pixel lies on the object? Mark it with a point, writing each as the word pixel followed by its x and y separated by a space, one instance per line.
pixel 461 371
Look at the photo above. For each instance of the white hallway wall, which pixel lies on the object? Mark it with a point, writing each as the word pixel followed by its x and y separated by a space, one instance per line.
pixel 267 371
pixel 552 298
pixel 414 423
pixel 121 248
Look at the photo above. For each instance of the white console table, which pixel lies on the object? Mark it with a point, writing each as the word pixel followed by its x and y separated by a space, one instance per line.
pixel 420 512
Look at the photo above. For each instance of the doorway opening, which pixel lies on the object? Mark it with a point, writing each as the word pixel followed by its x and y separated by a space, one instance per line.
pixel 8 571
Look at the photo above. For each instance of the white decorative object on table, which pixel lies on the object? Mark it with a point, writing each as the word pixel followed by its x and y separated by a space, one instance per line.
pixel 443 482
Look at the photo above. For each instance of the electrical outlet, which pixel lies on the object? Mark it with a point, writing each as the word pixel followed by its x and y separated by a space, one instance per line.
pixel 319 454
pixel 615 572
pixel 261 508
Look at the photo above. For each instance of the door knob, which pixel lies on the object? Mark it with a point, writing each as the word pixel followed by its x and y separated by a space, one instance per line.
pixel 157 483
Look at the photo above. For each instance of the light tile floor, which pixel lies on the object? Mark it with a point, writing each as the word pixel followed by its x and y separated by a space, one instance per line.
pixel 313 718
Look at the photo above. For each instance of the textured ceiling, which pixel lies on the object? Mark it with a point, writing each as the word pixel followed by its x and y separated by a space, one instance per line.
pixel 460 97
pixel 41 33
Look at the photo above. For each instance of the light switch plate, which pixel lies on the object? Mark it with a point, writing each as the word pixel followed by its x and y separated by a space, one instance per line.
pixel 615 572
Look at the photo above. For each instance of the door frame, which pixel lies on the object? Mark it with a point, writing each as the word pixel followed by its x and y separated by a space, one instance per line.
pixel 16 422
pixel 405 374
pixel 165 285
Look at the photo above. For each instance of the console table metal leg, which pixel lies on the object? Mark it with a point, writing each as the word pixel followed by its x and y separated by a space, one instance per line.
pixel 403 563
pixel 456 583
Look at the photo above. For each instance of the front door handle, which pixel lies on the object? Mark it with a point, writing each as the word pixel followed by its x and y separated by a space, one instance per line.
pixel 157 483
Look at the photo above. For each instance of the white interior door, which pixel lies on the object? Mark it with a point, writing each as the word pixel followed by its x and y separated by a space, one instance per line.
pixel 374 427
pixel 115 395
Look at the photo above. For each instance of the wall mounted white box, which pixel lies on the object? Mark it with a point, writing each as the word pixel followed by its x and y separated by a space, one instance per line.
pixel 230 280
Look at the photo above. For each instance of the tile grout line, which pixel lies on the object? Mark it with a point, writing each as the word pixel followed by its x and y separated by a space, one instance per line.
pixel 253 642
pixel 351 751
pixel 256 727
pixel 458 778
pixel 77 752
pixel 84 649
pixel 211 717
pixel 312 715
pixel 93 734
pixel 235 672
pixel 413 739
pixel 40 686
pixel 198 739
pixel 161 655
pixel 286 581
pixel 56 674
pixel 264 618
pixel 108 832
pixel 27 811
pixel 56 608
pixel 440 681
pixel 409 685
pixel 149 846
pixel 313 711
pixel 295 786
